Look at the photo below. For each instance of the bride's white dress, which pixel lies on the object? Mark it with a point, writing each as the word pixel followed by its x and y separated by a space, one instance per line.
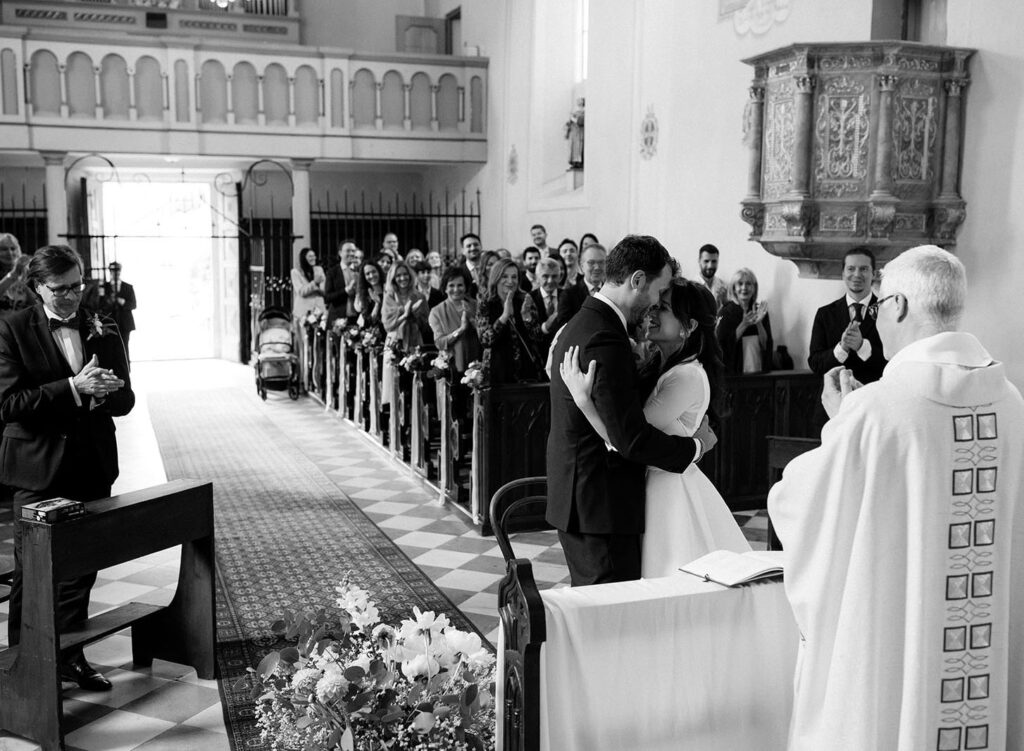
pixel 686 516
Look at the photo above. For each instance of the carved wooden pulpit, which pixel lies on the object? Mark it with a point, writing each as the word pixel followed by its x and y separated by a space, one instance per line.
pixel 854 144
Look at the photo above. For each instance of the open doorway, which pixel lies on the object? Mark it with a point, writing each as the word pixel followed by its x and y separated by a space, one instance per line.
pixel 162 234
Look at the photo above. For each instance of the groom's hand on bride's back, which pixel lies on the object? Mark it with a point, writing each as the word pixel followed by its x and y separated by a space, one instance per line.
pixel 706 436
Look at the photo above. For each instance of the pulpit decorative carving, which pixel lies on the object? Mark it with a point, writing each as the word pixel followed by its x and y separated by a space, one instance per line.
pixel 854 144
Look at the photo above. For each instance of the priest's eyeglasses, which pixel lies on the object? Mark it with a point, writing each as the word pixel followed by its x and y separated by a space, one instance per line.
pixel 66 290
pixel 872 310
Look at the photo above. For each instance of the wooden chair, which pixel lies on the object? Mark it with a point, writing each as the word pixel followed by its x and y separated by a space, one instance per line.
pixel 115 530
pixel 521 612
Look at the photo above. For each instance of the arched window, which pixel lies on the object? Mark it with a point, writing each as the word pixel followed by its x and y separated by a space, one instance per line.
pixel 307 96
pixel 80 79
pixel 275 95
pixel 420 98
pixel 114 88
pixel 244 94
pixel 149 90
pixel 44 84
pixel 213 92
pixel 364 99
pixel 392 102
pixel 448 103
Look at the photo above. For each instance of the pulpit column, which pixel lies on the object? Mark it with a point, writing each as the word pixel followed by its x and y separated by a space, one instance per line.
pixel 951 144
pixel 56 198
pixel 755 134
pixel 300 209
pixel 802 135
pixel 883 154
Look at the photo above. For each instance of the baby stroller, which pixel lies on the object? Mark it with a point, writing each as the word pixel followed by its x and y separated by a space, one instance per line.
pixel 277 365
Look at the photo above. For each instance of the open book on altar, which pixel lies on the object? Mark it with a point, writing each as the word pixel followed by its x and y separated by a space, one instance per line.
pixel 733 569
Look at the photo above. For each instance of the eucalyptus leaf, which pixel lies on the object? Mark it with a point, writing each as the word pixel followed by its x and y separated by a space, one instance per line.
pixel 354 674
pixel 348 742
pixel 268 664
pixel 304 722
pixel 395 716
pixel 289 655
pixel 278 627
pixel 470 694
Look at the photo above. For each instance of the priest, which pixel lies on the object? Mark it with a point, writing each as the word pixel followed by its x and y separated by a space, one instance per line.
pixel 905 537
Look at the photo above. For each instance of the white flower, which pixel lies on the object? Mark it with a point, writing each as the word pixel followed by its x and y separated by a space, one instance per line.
pixel 305 679
pixel 426 624
pixel 384 635
pixel 332 685
pixel 366 617
pixel 420 666
pixel 462 642
pixel 362 661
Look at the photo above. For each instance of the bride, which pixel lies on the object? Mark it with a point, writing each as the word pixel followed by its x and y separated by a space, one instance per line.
pixel 686 516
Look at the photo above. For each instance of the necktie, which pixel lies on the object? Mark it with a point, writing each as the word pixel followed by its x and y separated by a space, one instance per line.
pixel 594 290
pixel 549 303
pixel 858 314
pixel 56 323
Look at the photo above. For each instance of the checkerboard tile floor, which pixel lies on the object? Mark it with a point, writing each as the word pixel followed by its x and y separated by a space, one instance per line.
pixel 167 706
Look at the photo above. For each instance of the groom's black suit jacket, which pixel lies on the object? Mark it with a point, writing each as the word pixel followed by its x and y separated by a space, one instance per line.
pixel 43 426
pixel 592 490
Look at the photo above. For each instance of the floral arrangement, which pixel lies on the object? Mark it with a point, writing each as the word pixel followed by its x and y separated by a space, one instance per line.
pixel 443 361
pixel 371 336
pixel 315 318
pixel 368 686
pixel 417 360
pixel 393 350
pixel 352 335
pixel 100 327
pixel 476 375
pixel 339 326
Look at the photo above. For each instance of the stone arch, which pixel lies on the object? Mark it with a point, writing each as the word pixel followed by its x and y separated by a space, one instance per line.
pixel 448 103
pixel 114 96
pixel 392 101
pixel 364 99
pixel 275 95
pixel 420 98
pixel 213 92
pixel 80 82
pixel 149 90
pixel 245 94
pixel 307 96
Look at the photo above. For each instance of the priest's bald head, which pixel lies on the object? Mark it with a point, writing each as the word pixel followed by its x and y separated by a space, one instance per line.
pixel 922 294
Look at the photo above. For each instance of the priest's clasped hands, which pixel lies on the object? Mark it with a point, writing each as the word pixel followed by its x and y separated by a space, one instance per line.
pixel 838 383
pixel 96 381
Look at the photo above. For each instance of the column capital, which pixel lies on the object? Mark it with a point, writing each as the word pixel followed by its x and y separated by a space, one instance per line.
pixel 804 84
pixel 53 158
pixel 955 86
pixel 887 82
pixel 757 93
pixel 302 164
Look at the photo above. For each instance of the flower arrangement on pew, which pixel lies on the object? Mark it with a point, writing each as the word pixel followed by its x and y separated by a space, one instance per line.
pixel 440 367
pixel 314 319
pixel 352 335
pixel 393 350
pixel 339 328
pixel 476 375
pixel 368 686
pixel 419 360
pixel 371 336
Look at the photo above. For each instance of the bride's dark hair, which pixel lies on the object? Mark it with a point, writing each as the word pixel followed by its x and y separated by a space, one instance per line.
pixel 693 302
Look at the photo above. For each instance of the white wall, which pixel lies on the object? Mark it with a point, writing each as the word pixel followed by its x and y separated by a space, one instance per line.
pixel 354 24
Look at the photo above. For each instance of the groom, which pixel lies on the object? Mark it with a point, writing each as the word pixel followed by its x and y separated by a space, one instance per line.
pixel 595 493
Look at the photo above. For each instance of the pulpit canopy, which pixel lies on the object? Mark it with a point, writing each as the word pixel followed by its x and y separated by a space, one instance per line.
pixel 854 144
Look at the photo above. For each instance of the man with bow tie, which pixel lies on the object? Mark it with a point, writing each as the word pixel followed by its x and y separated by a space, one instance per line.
pixel 63 376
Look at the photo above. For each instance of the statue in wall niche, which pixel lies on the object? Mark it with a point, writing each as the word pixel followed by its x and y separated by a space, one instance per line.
pixel 574 132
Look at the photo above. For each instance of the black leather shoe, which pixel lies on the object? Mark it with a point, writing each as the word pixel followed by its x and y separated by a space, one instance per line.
pixel 85 675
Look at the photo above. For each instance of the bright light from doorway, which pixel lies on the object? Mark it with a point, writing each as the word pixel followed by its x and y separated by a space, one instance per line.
pixel 163 243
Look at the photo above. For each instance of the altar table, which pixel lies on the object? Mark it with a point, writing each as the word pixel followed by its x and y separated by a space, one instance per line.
pixel 671 663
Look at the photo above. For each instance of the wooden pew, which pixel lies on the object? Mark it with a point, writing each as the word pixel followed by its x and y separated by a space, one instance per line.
pixel 373 385
pixel 421 427
pixel 449 451
pixel 115 530
pixel 360 404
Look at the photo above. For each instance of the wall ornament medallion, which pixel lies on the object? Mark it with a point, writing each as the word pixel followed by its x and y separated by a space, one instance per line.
pixel 649 134
pixel 758 16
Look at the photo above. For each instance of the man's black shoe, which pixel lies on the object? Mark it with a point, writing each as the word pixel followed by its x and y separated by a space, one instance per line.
pixel 81 672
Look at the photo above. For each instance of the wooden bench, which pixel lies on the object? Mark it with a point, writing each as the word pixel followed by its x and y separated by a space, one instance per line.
pixel 116 530
pixel 782 449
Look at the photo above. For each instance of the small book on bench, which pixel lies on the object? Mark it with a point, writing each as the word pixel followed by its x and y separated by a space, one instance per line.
pixel 735 569
pixel 53 510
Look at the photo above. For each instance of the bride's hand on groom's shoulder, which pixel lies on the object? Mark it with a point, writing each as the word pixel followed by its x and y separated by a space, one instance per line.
pixel 578 382
pixel 706 436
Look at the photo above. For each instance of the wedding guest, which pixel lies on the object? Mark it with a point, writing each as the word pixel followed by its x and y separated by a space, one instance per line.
pixel 14 291
pixel 587 240
pixel 390 246
pixel 307 296
pixel 572 297
pixel 404 309
pixel 414 256
pixel 545 299
pixel 453 323
pixel 563 271
pixel 707 258
pixel 471 250
pixel 745 330
pixel 385 259
pixel 423 283
pixel 369 294
pixel 539 235
pixel 508 324
pixel 531 256
pixel 436 268
pixel 904 536
pixel 487 260
pixel 570 253
pixel 503 253
pixel 337 285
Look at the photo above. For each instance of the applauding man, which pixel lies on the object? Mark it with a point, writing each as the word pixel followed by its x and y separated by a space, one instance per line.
pixel 63 375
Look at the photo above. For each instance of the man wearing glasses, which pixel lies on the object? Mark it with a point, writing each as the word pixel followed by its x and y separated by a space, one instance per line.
pixel 63 376
pixel 904 537
pixel 843 333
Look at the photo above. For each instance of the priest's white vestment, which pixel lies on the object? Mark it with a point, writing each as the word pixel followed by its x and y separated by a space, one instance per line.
pixel 905 566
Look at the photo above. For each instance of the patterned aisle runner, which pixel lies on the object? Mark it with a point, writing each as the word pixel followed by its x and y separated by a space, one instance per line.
pixel 285 534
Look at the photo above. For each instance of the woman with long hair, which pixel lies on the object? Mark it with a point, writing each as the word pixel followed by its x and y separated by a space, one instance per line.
pixel 404 310
pixel 508 325
pixel 308 282
pixel 744 328
pixel 686 515
pixel 369 294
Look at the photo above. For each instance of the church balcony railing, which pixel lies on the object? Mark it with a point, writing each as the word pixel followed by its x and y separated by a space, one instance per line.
pixel 202 97
pixel 263 20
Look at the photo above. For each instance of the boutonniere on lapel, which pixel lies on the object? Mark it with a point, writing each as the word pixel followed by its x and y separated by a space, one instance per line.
pixel 98 328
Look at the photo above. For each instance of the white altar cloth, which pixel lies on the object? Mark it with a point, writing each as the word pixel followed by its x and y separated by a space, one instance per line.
pixel 671 663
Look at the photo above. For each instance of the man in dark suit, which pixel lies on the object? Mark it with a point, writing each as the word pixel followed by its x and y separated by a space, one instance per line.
pixel 340 285
pixel 118 302
pixel 843 333
pixel 596 494
pixel 472 249
pixel 63 376
pixel 545 299
pixel 571 300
